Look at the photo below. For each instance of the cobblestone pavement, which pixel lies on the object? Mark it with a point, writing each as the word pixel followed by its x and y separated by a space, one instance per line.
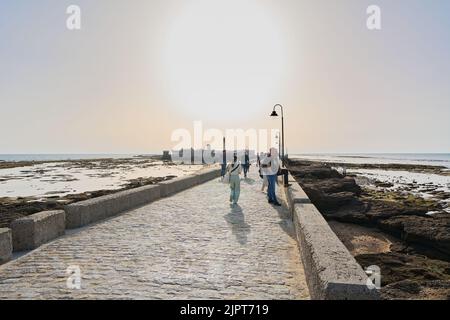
pixel 189 246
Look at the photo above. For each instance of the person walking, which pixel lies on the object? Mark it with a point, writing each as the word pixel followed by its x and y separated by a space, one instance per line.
pixel 246 164
pixel 270 166
pixel 234 170
pixel 261 158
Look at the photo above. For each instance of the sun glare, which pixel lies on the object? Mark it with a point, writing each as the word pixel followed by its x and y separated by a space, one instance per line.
pixel 223 59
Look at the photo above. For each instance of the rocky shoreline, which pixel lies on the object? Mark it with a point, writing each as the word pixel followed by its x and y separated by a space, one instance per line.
pixel 15 208
pixel 85 162
pixel 384 227
pixel 393 166
pixel 12 208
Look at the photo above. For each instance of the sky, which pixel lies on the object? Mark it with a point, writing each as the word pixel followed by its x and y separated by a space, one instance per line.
pixel 139 70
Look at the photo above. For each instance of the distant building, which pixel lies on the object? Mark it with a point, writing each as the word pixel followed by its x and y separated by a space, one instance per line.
pixel 209 155
pixel 166 156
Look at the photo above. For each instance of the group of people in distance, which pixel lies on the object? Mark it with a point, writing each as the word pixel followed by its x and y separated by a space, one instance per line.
pixel 269 167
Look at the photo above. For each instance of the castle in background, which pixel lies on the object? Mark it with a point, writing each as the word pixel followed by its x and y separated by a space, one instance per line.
pixel 206 156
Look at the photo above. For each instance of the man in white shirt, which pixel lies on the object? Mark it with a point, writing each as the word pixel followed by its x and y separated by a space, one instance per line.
pixel 269 168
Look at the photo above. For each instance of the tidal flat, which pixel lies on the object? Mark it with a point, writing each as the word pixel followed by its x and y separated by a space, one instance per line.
pixel 28 187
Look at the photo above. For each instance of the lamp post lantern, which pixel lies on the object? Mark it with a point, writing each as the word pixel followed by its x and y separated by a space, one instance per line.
pixel 275 114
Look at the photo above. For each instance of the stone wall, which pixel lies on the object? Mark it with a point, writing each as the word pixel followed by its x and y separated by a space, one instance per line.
pixel 86 212
pixel 331 271
pixel 30 232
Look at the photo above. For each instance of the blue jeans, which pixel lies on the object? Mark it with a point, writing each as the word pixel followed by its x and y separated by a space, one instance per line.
pixel 272 179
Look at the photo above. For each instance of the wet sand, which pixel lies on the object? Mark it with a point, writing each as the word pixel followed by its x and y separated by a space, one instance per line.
pixel 362 240
pixel 29 187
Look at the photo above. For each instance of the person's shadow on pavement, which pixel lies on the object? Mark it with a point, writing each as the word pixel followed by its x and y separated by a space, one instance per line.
pixel 236 220
pixel 286 221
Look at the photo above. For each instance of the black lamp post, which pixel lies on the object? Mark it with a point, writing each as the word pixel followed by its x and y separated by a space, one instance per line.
pixel 275 114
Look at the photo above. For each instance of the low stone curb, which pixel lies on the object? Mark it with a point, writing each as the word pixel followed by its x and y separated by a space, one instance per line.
pixel 5 245
pixel 30 232
pixel 295 194
pixel 332 273
pixel 86 212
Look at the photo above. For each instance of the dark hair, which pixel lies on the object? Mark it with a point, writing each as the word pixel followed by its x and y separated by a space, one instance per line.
pixel 235 159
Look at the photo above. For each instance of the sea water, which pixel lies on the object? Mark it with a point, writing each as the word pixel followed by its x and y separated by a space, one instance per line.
pixel 431 159
pixel 60 157
pixel 424 184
